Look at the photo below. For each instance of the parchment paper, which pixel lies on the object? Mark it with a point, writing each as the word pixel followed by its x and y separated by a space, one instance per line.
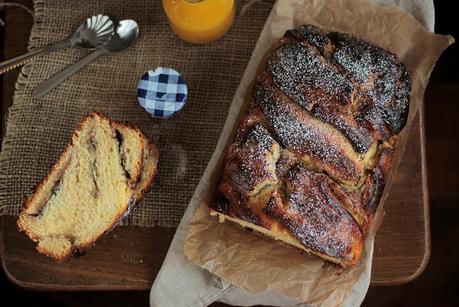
pixel 257 263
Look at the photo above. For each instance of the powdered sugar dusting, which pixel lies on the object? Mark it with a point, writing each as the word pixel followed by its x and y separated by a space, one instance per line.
pixel 253 165
pixel 353 72
pixel 299 71
pixel 299 132
pixel 313 36
pixel 262 138
pixel 382 80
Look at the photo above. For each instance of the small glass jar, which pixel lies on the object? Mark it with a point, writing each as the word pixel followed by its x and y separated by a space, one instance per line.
pixel 200 21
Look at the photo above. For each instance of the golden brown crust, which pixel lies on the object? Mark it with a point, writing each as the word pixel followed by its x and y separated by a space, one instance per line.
pixel 314 216
pixel 23 228
pixel 154 155
pixel 251 165
pixel 57 257
pixel 326 108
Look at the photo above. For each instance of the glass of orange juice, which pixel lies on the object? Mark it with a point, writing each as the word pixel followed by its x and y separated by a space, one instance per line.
pixel 200 21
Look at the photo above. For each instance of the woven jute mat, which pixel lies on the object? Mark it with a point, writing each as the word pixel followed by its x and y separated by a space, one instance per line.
pixel 39 129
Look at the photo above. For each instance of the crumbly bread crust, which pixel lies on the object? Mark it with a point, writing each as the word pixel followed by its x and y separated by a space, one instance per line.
pixel 150 169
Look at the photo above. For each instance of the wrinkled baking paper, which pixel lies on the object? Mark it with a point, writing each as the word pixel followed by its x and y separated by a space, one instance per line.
pixel 258 263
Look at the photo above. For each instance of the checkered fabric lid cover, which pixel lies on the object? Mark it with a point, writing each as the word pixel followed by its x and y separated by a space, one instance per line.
pixel 162 92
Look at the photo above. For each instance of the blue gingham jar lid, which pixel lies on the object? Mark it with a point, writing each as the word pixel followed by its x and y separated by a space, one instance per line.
pixel 162 92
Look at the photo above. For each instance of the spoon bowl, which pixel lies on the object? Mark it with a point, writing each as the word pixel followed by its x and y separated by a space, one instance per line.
pixel 126 33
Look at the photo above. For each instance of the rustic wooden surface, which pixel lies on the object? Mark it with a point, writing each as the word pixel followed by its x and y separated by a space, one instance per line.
pixel 130 257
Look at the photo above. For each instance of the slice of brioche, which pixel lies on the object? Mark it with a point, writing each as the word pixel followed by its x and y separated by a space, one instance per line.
pixel 105 170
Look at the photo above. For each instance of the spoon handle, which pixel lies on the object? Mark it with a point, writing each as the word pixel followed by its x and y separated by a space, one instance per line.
pixel 22 59
pixel 46 86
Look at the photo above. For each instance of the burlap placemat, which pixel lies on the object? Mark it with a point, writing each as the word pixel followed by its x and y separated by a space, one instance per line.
pixel 39 129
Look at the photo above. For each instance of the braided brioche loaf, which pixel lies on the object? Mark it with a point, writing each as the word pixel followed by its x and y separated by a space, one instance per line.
pixel 310 158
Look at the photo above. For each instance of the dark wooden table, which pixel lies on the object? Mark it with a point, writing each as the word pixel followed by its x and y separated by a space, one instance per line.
pixel 130 257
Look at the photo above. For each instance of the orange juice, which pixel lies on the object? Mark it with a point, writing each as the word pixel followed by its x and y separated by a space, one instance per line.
pixel 200 21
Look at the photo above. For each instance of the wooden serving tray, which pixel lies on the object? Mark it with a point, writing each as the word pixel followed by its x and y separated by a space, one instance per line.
pixel 130 257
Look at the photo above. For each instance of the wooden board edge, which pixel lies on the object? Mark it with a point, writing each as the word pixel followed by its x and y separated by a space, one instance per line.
pixel 427 237
pixel 138 286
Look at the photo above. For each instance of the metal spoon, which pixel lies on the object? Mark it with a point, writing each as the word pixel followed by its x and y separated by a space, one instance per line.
pixel 92 33
pixel 126 33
